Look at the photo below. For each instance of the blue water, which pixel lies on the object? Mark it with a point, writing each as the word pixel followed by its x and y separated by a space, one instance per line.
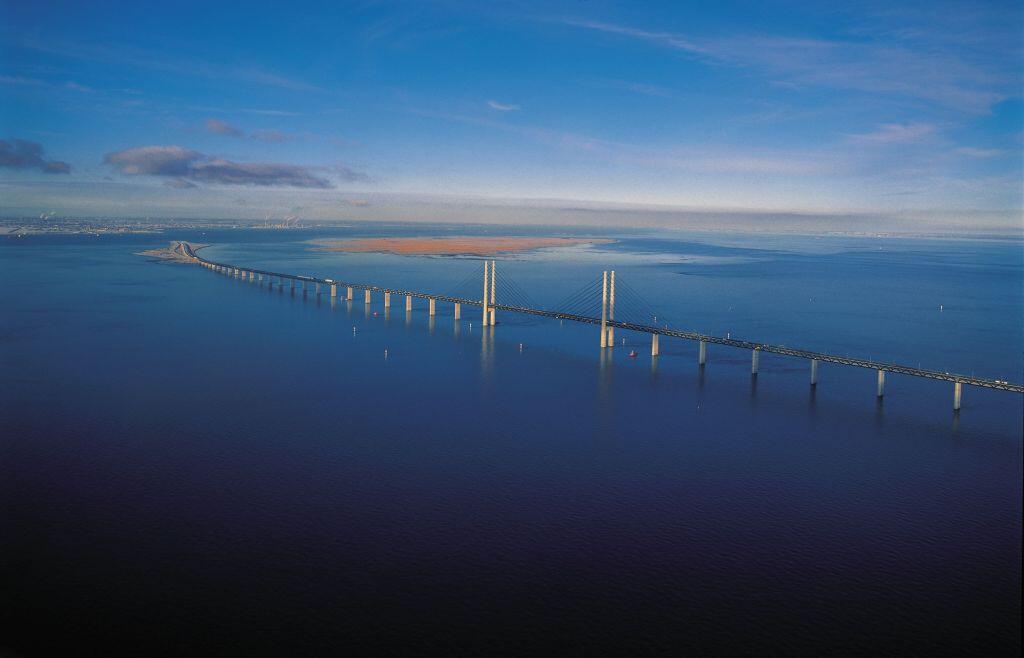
pixel 190 463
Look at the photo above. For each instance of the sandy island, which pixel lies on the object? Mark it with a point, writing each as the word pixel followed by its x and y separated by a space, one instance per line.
pixel 450 246
pixel 169 253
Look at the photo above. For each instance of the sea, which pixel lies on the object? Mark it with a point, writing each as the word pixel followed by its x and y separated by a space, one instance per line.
pixel 192 464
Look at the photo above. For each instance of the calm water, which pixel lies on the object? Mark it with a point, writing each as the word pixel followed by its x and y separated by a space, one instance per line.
pixel 189 463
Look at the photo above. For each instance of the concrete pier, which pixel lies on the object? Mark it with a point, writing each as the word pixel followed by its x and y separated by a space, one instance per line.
pixel 654 343
pixel 348 293
pixel 702 353
pixel 604 309
pixel 458 311
pixel 408 303
pixel 366 296
pixel 755 362
pixel 387 300
pixel 881 383
pixel 957 387
pixel 334 290
pixel 433 307
pixel 814 372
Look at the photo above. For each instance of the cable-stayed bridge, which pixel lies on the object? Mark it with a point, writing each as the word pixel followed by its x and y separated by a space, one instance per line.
pixel 612 304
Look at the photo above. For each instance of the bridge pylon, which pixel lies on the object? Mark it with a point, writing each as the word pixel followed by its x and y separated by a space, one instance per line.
pixel 611 309
pixel 493 277
pixel 487 314
pixel 604 309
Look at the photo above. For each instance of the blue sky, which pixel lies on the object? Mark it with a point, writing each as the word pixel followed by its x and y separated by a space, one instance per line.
pixel 515 111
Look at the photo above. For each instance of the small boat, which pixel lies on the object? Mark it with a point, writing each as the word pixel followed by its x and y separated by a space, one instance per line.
pixel 632 354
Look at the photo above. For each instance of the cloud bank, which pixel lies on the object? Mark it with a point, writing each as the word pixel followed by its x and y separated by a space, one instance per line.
pixel 219 127
pixel 186 167
pixel 23 154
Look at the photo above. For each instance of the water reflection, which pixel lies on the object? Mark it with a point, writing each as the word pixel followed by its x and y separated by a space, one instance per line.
pixel 486 355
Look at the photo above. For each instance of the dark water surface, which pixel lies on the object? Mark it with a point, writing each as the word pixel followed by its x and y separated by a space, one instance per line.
pixel 192 464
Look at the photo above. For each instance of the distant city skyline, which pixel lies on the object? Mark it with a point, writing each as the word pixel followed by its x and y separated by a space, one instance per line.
pixel 872 116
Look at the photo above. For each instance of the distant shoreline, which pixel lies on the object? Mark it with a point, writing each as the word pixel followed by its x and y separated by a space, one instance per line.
pixel 451 246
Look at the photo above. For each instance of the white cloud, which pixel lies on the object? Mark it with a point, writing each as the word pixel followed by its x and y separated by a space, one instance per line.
pixel 973 152
pixel 957 79
pixel 896 133
pixel 502 107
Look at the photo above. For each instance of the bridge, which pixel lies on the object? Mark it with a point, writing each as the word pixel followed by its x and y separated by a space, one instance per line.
pixel 572 312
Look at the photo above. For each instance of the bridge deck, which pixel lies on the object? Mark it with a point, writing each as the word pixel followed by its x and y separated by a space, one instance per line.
pixel 971 380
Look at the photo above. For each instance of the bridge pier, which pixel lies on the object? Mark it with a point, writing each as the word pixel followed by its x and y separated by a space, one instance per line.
pixel 387 300
pixel 654 343
pixel 957 387
pixel 814 372
pixel 334 290
pixel 702 353
pixel 366 296
pixel 755 361
pixel 408 303
pixel 458 311
pixel 433 306
pixel 252 275
pixel 316 288
pixel 881 383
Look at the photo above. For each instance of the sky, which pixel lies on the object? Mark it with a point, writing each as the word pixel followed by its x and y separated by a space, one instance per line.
pixel 839 116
